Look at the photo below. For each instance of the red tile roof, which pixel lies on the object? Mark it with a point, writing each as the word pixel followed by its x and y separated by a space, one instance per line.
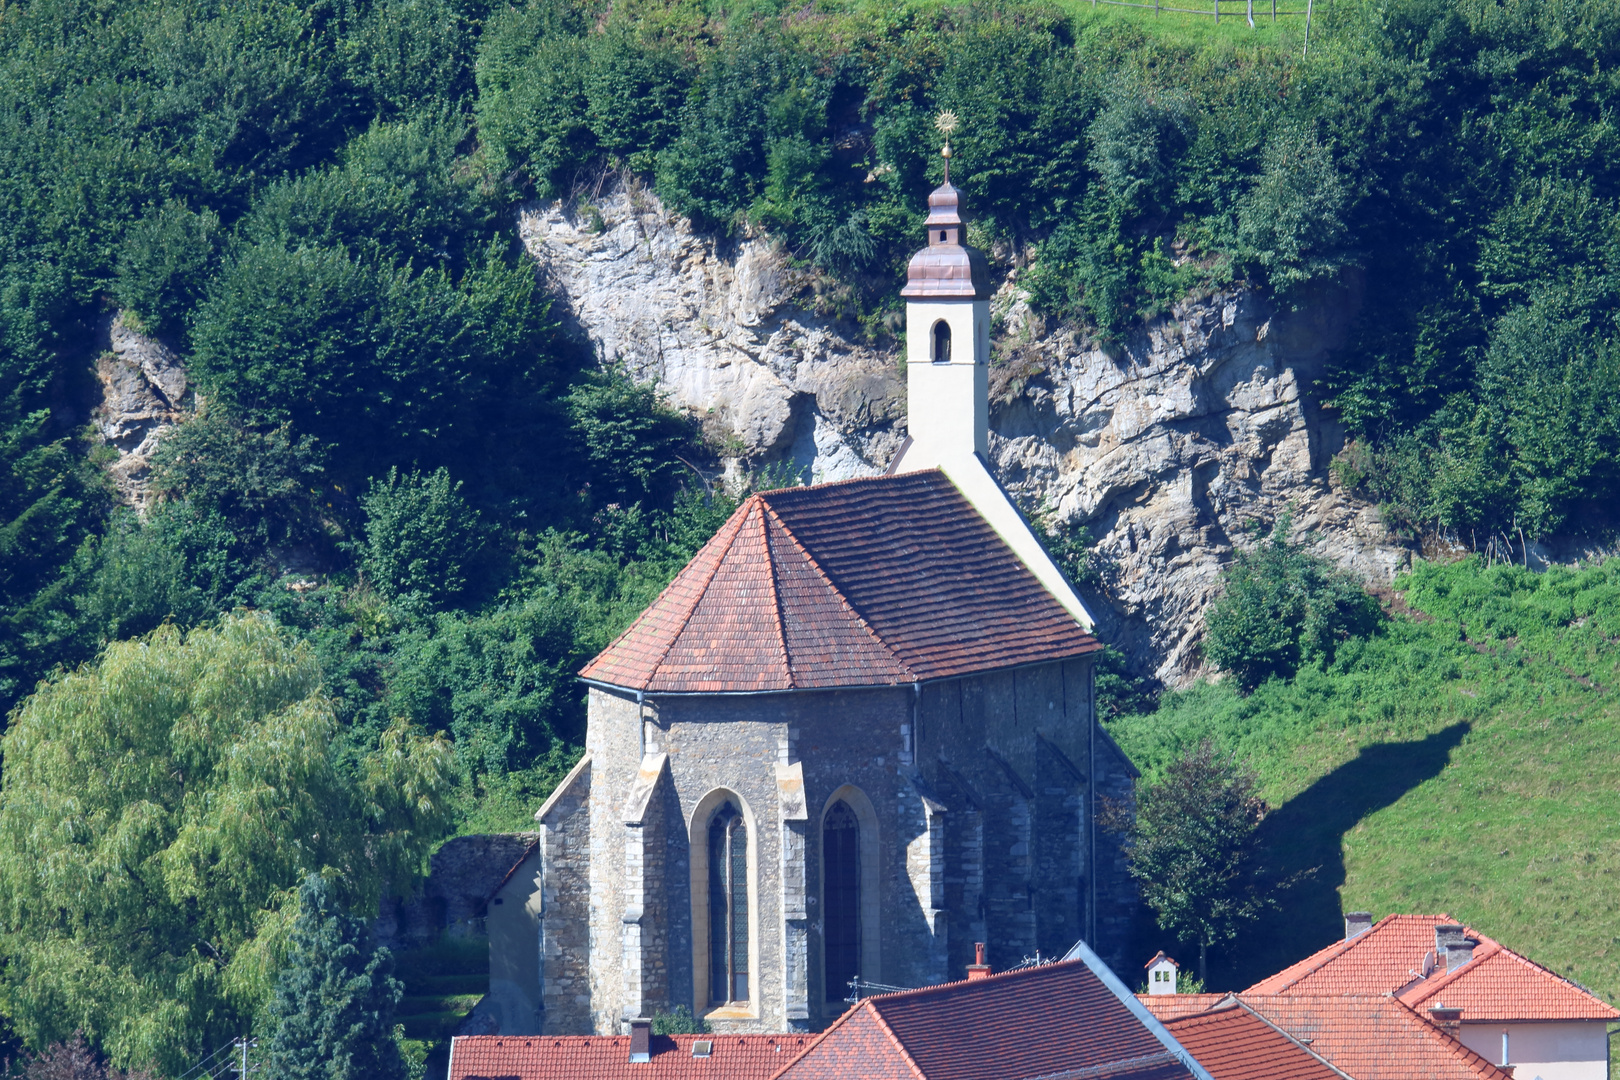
pixel 1374 1038
pixel 871 582
pixel 1038 1022
pixel 607 1057
pixel 1376 961
pixel 1169 1006
pixel 1234 1043
pixel 1497 984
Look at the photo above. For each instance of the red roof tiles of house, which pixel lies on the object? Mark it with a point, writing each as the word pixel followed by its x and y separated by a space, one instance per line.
pixel 1374 1038
pixel 1391 957
pixel 1169 1006
pixel 1376 961
pixel 1499 984
pixel 1234 1043
pixel 871 582
pixel 1048 1021
pixel 607 1057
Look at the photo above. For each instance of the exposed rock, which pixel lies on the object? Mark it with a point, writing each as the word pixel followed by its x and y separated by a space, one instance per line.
pixel 143 385
pixel 1166 448
pixel 715 324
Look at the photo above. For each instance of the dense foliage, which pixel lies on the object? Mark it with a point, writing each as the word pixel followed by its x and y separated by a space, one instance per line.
pixel 1283 606
pixel 1193 849
pixel 160 809
pixel 332 1017
pixel 396 456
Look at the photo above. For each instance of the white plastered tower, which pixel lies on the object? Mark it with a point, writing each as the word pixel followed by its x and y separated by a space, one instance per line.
pixel 948 384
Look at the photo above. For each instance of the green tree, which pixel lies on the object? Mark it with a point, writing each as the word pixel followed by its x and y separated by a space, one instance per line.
pixel 75 1059
pixel 1283 606
pixel 160 809
pixel 1192 849
pixel 333 1013
pixel 421 538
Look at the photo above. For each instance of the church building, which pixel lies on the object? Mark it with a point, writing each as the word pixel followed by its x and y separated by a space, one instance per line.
pixel 853 737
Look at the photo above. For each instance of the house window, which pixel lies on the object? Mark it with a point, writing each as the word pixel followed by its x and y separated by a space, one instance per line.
pixel 841 870
pixel 728 907
pixel 942 342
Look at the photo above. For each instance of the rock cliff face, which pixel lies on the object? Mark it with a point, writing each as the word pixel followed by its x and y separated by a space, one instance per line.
pixel 1166 448
pixel 143 385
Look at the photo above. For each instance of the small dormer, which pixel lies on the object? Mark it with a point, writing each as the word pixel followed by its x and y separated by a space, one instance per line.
pixel 1162 972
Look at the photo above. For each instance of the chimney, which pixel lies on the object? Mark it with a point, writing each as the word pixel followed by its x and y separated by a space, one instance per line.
pixel 1446 1017
pixel 1356 923
pixel 640 1040
pixel 978 969
pixel 1452 943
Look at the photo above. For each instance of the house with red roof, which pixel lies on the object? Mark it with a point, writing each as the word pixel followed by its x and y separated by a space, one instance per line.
pixel 1070 1019
pixel 853 737
pixel 1414 996
pixel 1504 1006
pixel 640 1055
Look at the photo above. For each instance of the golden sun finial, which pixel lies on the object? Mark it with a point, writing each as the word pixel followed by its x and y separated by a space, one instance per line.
pixel 945 123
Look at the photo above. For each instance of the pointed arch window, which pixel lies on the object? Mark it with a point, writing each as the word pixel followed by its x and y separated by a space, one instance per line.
pixel 942 341
pixel 728 906
pixel 841 869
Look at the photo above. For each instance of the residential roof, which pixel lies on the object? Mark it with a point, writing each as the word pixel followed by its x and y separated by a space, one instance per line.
pixel 1374 1038
pixel 607 1057
pixel 1234 1043
pixel 1059 1019
pixel 1169 1006
pixel 1393 956
pixel 870 582
pixel 1499 984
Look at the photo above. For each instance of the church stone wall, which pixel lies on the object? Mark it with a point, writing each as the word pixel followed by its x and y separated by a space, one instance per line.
pixel 981 793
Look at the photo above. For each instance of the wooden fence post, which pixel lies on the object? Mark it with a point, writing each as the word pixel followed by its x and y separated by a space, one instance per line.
pixel 1273 10
pixel 1307 50
pixel 1217 12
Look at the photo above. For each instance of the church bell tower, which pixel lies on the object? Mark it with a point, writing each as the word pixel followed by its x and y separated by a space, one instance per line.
pixel 947 339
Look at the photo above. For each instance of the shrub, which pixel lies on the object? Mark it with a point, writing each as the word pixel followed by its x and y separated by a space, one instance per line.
pixel 164 265
pixel 1292 221
pixel 1283 607
pixel 422 539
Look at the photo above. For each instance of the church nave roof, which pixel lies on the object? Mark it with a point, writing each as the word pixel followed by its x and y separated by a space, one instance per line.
pixel 871 582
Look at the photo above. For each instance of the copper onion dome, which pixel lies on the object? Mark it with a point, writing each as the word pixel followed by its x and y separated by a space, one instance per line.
pixel 946 269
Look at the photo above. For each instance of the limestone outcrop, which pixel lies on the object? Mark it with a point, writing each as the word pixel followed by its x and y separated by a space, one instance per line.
pixel 1167 448
pixel 143 388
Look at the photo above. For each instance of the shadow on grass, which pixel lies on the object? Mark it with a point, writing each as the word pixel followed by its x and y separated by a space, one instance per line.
pixel 1308 832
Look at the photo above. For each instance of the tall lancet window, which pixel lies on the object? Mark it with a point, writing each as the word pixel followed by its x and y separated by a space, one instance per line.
pixel 728 906
pixel 841 877
pixel 942 342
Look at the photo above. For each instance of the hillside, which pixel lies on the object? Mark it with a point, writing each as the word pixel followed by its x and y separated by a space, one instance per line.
pixel 1461 760
pixel 290 237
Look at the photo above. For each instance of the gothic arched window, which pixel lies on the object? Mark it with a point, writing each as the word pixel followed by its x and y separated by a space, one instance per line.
pixel 942 341
pixel 728 906
pixel 841 877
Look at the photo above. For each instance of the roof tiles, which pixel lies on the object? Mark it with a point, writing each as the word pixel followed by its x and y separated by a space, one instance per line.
pixel 1233 1043
pixel 1374 1038
pixel 1497 984
pixel 1038 1022
pixel 607 1057
pixel 870 582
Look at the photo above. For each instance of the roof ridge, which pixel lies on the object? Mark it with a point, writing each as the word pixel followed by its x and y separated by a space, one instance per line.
pixel 1490 949
pixel 848 480
pixel 765 518
pixel 735 524
pixel 911 1062
pixel 1238 1002
pixel 1333 952
pixel 827 580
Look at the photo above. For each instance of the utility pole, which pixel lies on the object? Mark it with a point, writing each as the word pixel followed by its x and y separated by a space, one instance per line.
pixel 242 1046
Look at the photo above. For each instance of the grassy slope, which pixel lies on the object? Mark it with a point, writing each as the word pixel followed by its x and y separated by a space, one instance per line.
pixel 1464 761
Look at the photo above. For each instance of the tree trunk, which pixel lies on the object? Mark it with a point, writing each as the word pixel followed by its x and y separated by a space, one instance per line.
pixel 1203 964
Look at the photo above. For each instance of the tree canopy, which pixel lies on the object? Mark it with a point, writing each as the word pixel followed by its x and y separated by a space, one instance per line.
pixel 159 811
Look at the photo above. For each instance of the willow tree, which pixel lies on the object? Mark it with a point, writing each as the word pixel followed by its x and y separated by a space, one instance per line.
pixel 159 810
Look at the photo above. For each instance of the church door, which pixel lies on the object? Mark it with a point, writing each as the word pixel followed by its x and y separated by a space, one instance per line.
pixel 728 907
pixel 841 874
